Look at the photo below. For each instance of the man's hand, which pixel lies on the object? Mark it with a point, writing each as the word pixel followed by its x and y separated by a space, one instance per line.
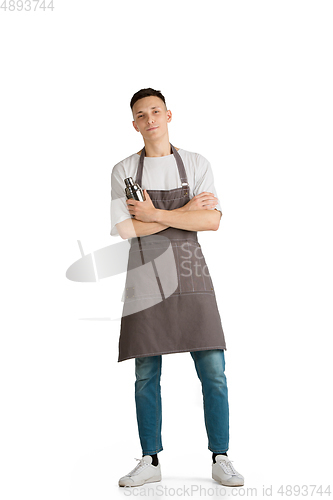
pixel 142 210
pixel 202 201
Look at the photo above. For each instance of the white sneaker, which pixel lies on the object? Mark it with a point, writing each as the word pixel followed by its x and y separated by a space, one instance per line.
pixel 143 473
pixel 224 472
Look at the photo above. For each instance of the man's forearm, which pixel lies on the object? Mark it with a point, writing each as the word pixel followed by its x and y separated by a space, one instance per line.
pixel 138 228
pixel 133 228
pixel 191 220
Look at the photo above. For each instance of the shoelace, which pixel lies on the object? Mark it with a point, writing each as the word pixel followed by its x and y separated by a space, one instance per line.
pixel 138 466
pixel 228 467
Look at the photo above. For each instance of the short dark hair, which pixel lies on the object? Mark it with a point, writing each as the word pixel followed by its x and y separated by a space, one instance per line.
pixel 146 93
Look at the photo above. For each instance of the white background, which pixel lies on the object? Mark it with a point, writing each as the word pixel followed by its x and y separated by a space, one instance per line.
pixel 250 87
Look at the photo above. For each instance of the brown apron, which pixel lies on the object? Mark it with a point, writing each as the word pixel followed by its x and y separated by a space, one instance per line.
pixel 170 304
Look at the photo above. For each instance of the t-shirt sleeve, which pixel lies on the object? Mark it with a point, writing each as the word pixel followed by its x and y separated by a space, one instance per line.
pixel 205 180
pixel 119 211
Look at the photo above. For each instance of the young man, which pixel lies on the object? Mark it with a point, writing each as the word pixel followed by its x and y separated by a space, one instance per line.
pixel 170 304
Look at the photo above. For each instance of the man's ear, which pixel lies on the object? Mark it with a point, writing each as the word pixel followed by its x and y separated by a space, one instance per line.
pixel 169 116
pixel 135 126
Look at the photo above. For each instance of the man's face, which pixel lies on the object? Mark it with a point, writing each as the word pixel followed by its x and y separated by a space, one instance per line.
pixel 151 117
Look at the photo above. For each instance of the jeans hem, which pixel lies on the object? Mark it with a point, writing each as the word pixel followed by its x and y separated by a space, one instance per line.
pixel 213 451
pixel 152 452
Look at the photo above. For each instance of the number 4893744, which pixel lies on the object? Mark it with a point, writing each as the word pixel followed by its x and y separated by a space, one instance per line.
pixel 26 5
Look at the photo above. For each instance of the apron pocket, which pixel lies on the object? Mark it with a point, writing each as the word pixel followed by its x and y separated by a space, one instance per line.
pixel 193 273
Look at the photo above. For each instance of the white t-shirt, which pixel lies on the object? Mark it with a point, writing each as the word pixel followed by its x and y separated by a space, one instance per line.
pixel 159 173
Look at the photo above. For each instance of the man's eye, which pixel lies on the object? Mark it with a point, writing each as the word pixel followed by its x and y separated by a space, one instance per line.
pixel 156 111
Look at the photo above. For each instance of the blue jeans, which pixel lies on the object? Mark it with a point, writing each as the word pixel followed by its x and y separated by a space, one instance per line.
pixel 210 366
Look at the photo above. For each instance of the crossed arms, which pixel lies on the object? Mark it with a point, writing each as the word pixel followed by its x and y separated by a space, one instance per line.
pixel 196 215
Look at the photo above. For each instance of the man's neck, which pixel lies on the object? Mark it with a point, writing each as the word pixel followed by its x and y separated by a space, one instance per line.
pixel 161 148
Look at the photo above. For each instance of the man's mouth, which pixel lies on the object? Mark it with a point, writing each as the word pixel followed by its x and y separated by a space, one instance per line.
pixel 151 128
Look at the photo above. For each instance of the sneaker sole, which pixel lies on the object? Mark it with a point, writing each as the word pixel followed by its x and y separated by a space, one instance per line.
pixel 241 483
pixel 144 482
